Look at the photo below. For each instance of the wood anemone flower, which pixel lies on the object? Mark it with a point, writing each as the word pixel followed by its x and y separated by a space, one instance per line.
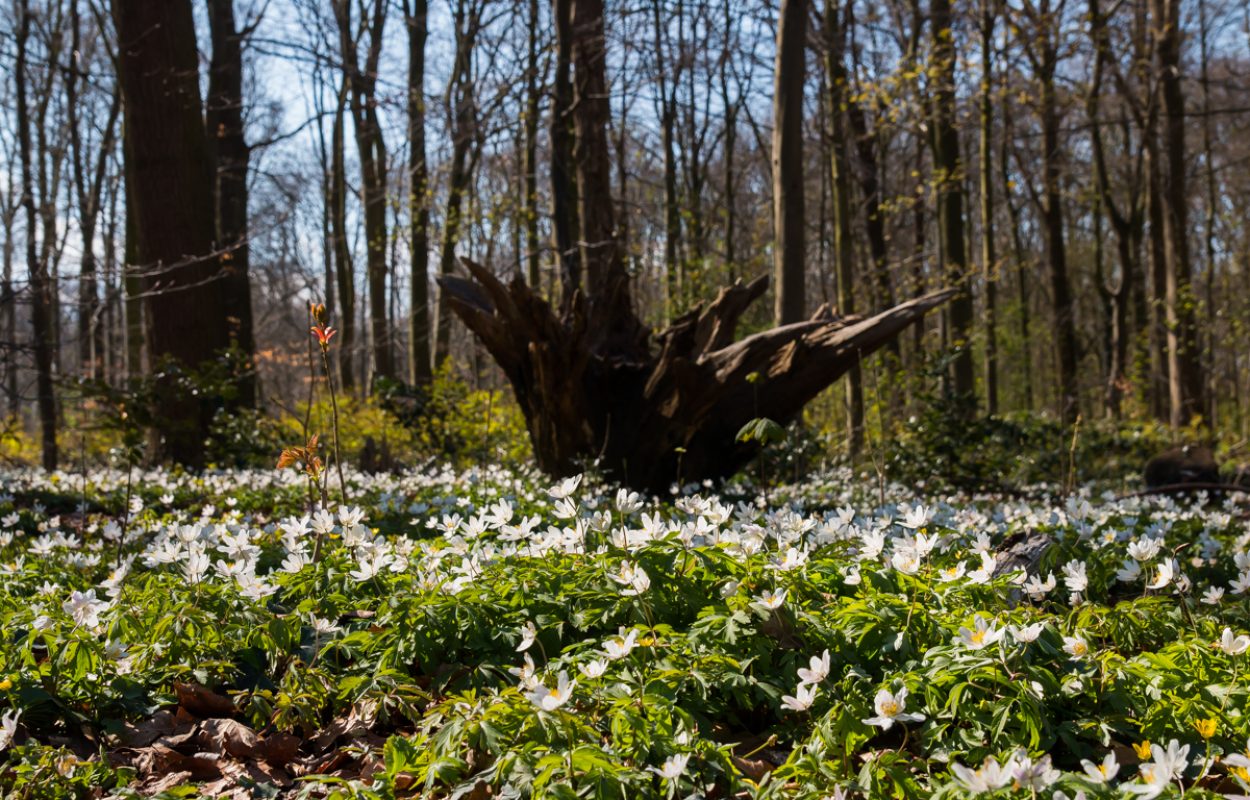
pixel 324 334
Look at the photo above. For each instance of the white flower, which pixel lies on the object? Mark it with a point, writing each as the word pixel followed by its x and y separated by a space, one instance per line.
pixel 1130 572
pixel 852 577
pixel 1104 772
pixel 1163 576
pixel 952 573
pixel 989 777
pixel 1037 588
pixel 817 670
pixel 294 562
pixel 528 634
pixel 1075 646
pixel 1145 549
pixel 906 560
pixel 981 634
pixel 323 627
pixel 1233 645
pixel 620 646
pixel 983 573
pixel 793 559
pixel 84 608
pixel 771 600
pixel 370 566
pixel 1028 633
pixel 1174 760
pixel 674 767
pixel 196 566
pixel 351 516
pixel 565 488
pixel 8 728
pixel 1158 774
pixel 917 517
pixel 1213 596
pixel 802 698
pixel 551 699
pixel 525 673
pixel 890 710
pixel 593 669
pixel 1239 760
pixel 1033 775
pixel 635 579
pixel 873 542
pixel 1074 576
pixel 1241 584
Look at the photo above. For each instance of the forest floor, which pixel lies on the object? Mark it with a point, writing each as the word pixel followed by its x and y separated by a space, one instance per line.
pixel 488 634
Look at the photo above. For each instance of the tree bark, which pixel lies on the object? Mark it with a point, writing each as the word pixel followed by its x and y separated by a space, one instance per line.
pixel 530 208
pixel 1185 383
pixel 420 369
pixel 37 267
pixel 462 115
pixel 949 177
pixel 371 151
pixel 989 258
pixel 344 268
pixel 563 183
pixel 789 256
pixel 229 155
pixel 839 169
pixel 171 186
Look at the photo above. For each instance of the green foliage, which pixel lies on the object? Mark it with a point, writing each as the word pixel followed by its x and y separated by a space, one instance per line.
pixel 448 420
pixel 941 447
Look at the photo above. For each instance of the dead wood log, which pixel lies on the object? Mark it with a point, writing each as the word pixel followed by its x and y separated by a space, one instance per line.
pixel 651 418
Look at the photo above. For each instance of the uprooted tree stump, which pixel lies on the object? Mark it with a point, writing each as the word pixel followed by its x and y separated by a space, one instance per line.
pixel 655 415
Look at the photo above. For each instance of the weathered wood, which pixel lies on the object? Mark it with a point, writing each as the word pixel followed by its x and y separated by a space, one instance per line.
pixel 665 416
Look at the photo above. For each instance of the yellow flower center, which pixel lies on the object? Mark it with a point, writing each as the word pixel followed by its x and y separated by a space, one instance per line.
pixel 889 708
pixel 978 637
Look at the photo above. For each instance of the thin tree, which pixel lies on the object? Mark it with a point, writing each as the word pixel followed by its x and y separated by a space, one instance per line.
pixel 362 79
pixel 789 256
pixel 36 265
pixel 948 170
pixel 837 84
pixel 419 364
pixel 229 155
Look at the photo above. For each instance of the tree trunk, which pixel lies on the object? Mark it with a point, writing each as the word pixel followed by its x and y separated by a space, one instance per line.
pixel 229 155
pixel 839 168
pixel 344 268
pixel 461 112
pixel 1053 236
pixel 37 267
pixel 666 97
pixel 371 151
pixel 530 210
pixel 563 184
pixel 171 189
pixel 989 259
pixel 420 370
pixel 1185 383
pixel 949 177
pixel 789 258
